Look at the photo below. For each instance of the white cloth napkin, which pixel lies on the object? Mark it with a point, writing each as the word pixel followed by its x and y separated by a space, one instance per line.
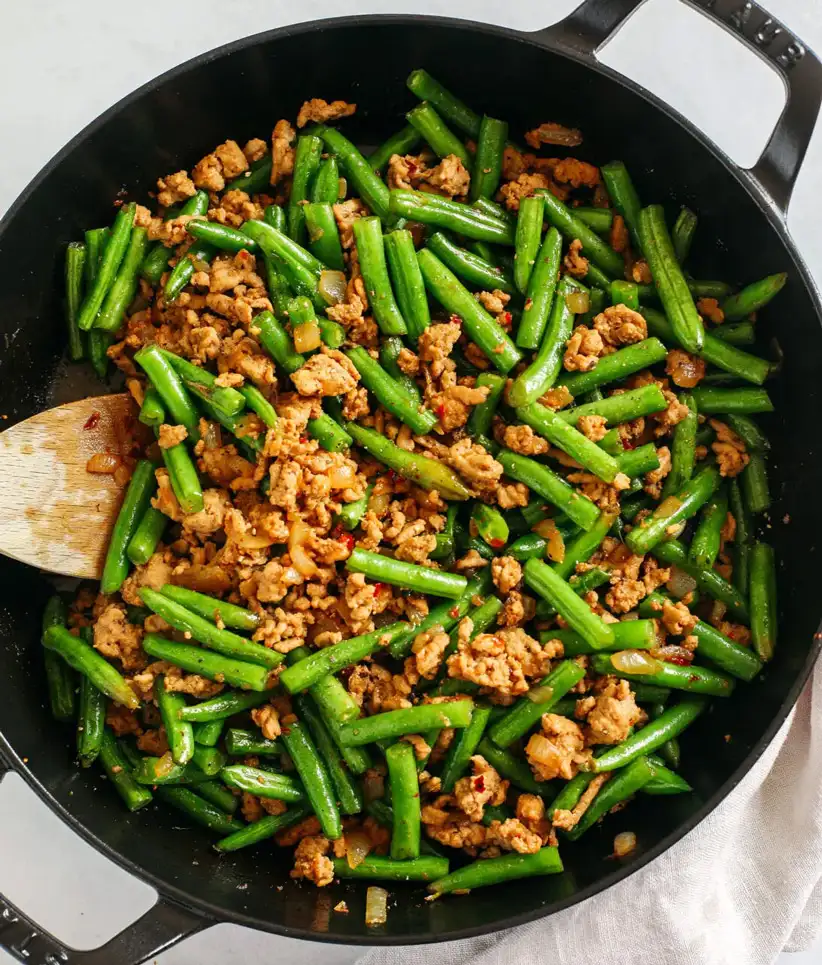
pixel 742 887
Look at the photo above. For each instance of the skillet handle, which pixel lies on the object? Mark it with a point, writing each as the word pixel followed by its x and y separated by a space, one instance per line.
pixel 162 926
pixel 593 22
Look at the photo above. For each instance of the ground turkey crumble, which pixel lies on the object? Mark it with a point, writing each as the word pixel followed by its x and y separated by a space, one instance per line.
pixel 504 662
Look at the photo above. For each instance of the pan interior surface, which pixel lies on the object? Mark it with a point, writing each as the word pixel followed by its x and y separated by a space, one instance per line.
pixel 241 94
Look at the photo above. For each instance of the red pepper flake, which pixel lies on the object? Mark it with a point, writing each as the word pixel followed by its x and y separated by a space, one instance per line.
pixel 454 612
pixel 378 587
pixel 496 544
pixel 681 662
pixel 92 421
pixel 440 410
pixel 347 540
pixel 303 440
pixel 455 320
pixel 479 783
pixel 505 319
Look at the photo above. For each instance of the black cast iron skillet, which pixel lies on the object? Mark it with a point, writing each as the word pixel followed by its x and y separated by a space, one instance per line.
pixel 239 91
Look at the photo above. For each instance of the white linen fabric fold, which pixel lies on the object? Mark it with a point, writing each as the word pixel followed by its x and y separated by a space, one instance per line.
pixel 742 887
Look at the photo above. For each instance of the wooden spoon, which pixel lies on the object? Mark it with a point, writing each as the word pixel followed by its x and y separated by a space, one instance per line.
pixel 54 514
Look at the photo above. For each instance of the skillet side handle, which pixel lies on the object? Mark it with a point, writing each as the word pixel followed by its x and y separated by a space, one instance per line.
pixel 162 926
pixel 593 22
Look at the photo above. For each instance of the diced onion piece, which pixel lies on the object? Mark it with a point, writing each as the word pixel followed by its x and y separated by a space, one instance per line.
pixel 668 506
pixel 718 610
pixel 122 474
pixel 539 695
pixel 332 285
pixel 578 302
pixel 680 583
pixel 164 765
pixel 342 187
pixel 212 437
pixel 342 477
pixel 307 337
pixel 673 653
pixel 378 503
pixel 357 846
pixel 635 662
pixel 297 537
pixel 376 906
pixel 624 843
pixel 541 750
pixel 547 529
pixel 103 463
pixel 200 265
pixel 553 133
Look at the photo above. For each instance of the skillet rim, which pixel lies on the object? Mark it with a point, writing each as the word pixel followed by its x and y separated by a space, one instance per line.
pixel 549 41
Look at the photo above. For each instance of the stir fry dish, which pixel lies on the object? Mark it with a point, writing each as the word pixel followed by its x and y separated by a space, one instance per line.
pixel 443 506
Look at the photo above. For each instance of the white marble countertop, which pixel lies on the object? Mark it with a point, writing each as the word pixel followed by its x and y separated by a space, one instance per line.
pixel 75 60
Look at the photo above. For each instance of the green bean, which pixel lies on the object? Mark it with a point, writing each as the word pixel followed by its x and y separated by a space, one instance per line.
pixel 512 768
pixel 528 238
pixel 584 546
pixel 352 513
pixel 85 660
pixel 625 198
pixel 572 228
pixel 390 394
pixel 147 535
pixel 239 743
pixel 74 272
pixel 222 706
pixel 255 180
pixel 179 732
pixel 403 142
pixel 212 609
pixel 707 537
pixel 741 333
pixel 624 407
pixel 411 720
pixel 622 785
pixel 487 170
pixel 110 261
pixel 732 401
pixel 468 266
pixel 713 645
pixel 529 546
pixel 580 584
pixel 490 525
pixel 669 280
pixel 749 432
pixel 421 83
pixel 98 345
pixel 184 479
pixel 90 723
pixel 170 388
pixel 665 781
pixel 625 293
pixel 600 219
pixel 307 154
pixel 217 639
pixel 409 576
pixel 221 236
pixel 59 678
pixel 359 171
pixel 482 415
pixel 576 612
pixel 119 773
pixel 407 281
pixel 571 792
pixel 673 553
pixel 277 342
pixel 636 462
pixel 210 760
pixel 753 297
pixel 762 594
pixel 570 440
pixel 743 537
pixel 755 484
pixel 277 244
pixel 683 449
pixel 218 794
pixel 493 871
pixel 527 711
pixel 462 748
pixel 619 365
pixel 405 798
pixel 214 666
pixel 542 373
pixel 674 510
pixel 268 784
pixel 670 750
pixel 389 353
pixel 162 771
pixel 695 680
pixel 422 471
pixel 307 672
pixel 431 209
pixel 275 216
pixel 262 829
pixel 714 350
pixel 551 486
pixel 229 400
pixel 435 132
pixel 668 725
pixel 314 775
pixel 323 234
pixel 369 238
pixel 209 733
pixel 138 495
pixel 596 303
pixel 198 809
pixel 378 868
pixel 325 188
pixel 682 235
pixel 152 412
pixel 347 790
pixel 199 251
pixel 628 635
